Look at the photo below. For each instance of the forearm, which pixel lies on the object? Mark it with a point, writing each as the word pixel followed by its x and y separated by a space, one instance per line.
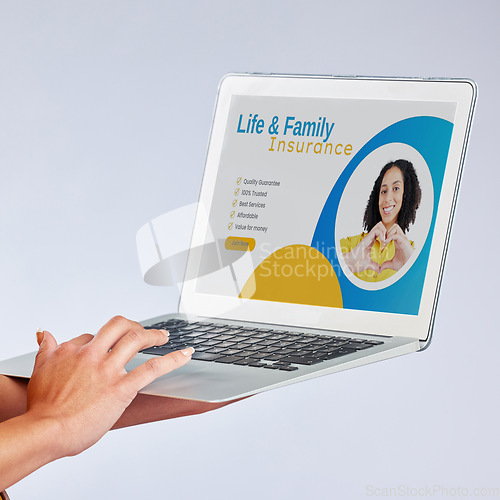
pixel 145 408
pixel 26 444
pixel 12 397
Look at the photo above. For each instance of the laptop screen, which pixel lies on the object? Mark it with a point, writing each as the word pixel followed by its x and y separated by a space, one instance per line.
pixel 327 202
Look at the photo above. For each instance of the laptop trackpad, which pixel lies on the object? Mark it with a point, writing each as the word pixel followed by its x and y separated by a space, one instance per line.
pixel 194 381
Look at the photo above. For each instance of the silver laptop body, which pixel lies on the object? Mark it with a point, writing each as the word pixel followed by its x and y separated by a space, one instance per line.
pixel 291 167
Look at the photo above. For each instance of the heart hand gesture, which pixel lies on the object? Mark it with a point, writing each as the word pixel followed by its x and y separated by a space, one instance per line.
pixel 368 256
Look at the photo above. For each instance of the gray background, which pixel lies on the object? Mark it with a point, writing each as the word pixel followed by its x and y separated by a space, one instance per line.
pixel 105 110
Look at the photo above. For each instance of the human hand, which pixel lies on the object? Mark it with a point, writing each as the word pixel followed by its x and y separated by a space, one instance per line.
pixel 360 259
pixel 403 249
pixel 82 386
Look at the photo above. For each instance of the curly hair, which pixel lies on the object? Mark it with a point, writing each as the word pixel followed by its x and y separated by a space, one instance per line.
pixel 412 196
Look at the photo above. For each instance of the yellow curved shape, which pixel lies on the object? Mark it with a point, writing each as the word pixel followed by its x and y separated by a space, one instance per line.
pixel 297 274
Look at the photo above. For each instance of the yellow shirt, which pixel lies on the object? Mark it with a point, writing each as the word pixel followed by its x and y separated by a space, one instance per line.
pixel 378 256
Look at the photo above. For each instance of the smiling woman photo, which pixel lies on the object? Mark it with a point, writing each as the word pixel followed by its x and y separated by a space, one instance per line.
pixel 383 248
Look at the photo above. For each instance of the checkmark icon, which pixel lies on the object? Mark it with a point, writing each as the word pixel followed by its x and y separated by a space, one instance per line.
pixel 232 214
pixel 235 202
pixel 236 191
pixel 230 225
pixel 238 180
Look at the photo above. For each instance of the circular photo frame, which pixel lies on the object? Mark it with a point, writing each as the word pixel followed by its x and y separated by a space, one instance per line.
pixel 355 197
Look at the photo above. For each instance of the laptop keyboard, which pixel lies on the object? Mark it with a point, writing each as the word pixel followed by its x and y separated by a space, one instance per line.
pixel 256 347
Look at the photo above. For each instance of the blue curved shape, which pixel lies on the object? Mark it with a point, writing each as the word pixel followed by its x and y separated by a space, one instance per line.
pixel 430 136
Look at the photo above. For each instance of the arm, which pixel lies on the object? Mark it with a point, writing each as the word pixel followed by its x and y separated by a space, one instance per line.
pixel 77 392
pixel 27 443
pixel 12 397
pixel 143 409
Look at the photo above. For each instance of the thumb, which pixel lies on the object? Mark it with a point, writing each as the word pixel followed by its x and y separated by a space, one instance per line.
pixel 48 345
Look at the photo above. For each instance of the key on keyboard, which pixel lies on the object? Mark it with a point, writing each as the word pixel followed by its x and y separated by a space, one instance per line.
pixel 256 347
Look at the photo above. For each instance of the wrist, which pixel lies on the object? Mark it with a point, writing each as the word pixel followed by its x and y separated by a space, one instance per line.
pixel 48 433
pixel 28 443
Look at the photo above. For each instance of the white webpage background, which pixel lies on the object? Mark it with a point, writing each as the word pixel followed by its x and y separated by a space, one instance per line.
pixel 306 179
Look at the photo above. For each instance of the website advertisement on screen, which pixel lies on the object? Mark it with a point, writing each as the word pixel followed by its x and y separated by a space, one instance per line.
pixel 329 202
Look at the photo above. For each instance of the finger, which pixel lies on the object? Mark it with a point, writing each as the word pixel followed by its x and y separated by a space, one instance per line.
pixel 369 240
pixel 397 239
pixel 372 266
pixel 372 235
pixel 382 238
pixel 393 265
pixel 156 367
pixel 397 236
pixel 113 331
pixel 380 228
pixel 388 264
pixel 133 342
pixel 48 345
pixel 391 237
pixel 81 340
pixel 379 231
pixel 395 229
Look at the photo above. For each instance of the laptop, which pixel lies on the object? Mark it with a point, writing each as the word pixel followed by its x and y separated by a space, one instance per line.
pixel 320 233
